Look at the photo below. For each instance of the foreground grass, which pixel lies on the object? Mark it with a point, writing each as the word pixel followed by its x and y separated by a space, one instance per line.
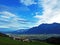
pixel 8 41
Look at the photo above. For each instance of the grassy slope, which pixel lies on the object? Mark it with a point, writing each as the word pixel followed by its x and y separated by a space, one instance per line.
pixel 8 41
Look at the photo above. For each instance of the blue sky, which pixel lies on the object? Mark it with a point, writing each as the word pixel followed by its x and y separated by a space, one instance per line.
pixel 23 14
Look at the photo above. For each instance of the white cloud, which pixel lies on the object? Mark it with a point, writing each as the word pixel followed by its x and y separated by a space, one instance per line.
pixel 51 12
pixel 10 20
pixel 4 26
pixel 28 2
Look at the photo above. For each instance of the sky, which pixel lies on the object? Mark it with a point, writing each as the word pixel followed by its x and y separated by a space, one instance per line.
pixel 25 14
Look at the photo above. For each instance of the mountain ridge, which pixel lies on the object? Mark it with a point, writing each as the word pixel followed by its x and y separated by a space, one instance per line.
pixel 53 28
pixel 45 29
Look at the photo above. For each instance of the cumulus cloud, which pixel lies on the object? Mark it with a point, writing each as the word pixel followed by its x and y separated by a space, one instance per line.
pixel 12 21
pixel 51 12
pixel 28 2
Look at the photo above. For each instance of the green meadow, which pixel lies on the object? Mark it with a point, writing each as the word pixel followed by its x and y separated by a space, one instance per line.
pixel 8 41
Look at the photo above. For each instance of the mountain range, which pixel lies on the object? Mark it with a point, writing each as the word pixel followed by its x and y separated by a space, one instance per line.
pixel 41 29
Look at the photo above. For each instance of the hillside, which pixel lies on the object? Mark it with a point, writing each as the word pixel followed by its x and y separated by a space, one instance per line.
pixel 8 41
pixel 3 35
pixel 5 40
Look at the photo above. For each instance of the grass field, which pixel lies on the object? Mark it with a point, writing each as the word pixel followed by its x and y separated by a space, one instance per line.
pixel 8 41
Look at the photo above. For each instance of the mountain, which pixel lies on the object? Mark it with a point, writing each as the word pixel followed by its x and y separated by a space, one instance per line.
pixel 41 29
pixel 20 31
pixel 44 29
